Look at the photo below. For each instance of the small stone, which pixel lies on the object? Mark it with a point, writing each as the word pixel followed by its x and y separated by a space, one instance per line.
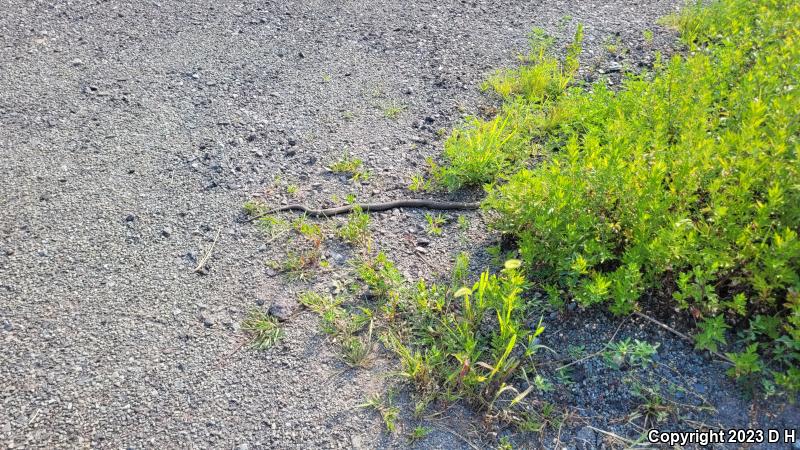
pixel 572 306
pixel 338 258
pixel 166 232
pixel 292 142
pixel 578 374
pixel 191 257
pixel 613 66
pixel 283 308
pixel 77 62
pixel 291 152
pixel 422 242
pixel 130 218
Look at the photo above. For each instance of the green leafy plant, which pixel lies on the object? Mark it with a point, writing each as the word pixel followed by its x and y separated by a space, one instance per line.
pixel 505 444
pixel 356 229
pixel 745 363
pixel 419 184
pixel 453 353
pixel 353 167
pixel 460 269
pixel 388 412
pixel 638 353
pixel 343 326
pixel 435 223
pixel 254 208
pixel 648 36
pixel 419 433
pixel 273 226
pixel 380 276
pixel 712 334
pixel 684 180
pixel 356 349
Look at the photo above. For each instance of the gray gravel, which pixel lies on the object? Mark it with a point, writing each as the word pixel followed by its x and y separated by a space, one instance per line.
pixel 131 132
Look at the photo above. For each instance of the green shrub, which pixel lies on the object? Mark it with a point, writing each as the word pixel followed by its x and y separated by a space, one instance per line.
pixel 684 182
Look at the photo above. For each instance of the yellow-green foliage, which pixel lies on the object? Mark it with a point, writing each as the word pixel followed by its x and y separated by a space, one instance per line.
pixel 356 229
pixel 685 181
pixel 481 150
pixel 451 352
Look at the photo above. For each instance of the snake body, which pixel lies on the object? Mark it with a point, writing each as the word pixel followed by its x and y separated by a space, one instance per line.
pixel 373 207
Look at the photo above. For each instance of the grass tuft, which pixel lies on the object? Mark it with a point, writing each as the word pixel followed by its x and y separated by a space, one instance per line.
pixel 263 329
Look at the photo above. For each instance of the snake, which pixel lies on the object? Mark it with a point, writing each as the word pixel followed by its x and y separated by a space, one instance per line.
pixel 372 207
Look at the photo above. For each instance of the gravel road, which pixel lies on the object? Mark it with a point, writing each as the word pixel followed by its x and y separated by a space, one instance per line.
pixel 132 132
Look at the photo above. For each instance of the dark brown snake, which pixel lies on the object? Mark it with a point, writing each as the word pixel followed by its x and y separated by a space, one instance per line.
pixel 372 207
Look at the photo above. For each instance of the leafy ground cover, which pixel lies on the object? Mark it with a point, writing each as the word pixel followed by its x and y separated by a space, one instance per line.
pixel 682 184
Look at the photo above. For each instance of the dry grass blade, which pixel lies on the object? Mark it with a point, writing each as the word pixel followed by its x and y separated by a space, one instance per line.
pixel 204 259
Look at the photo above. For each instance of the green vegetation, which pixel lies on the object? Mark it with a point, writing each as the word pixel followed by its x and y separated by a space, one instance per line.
pixel 381 277
pixel 305 235
pixel 638 353
pixel 389 413
pixel 483 150
pixel 648 36
pixel 683 183
pixel 254 208
pixel 419 184
pixel 263 330
pixel 350 166
pixel 356 230
pixel 454 342
pixel 344 326
pixel 435 223
pixel 419 433
pixel 392 109
pixel 468 343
